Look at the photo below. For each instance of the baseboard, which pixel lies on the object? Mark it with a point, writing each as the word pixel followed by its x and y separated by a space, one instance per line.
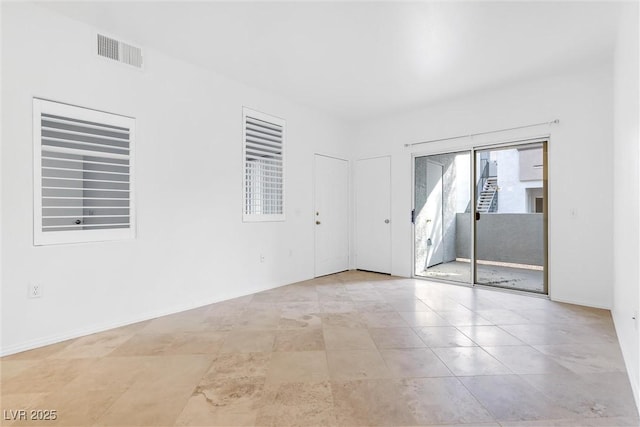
pixel 578 302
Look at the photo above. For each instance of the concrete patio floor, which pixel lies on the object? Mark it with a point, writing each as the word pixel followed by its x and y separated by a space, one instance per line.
pixel 494 275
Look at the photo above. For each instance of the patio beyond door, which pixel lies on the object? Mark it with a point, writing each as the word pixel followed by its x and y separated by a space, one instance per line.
pixel 480 216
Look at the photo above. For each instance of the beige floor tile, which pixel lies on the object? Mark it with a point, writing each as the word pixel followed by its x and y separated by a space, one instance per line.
pixel 356 365
pixel 299 320
pixel 299 340
pixel 299 306
pixel 372 306
pixel 462 318
pixel 414 362
pixel 298 366
pixel 197 343
pixel 442 303
pixel 423 318
pixel 370 403
pixel 586 358
pixel 503 317
pixel 48 375
pixel 442 400
pixel 396 338
pixel 297 404
pixel 78 407
pixel 464 361
pixel 175 343
pixel 633 421
pixel 248 341
pixel 412 304
pixel 95 345
pixel 222 322
pixel 11 367
pixel 384 319
pixel 145 344
pixel 332 293
pixel 525 360
pixel 344 320
pixel 510 398
pixel 443 336
pixel 496 424
pixel 364 294
pixel 535 334
pixel 108 373
pixel 159 393
pixel 223 402
pixel 489 335
pixel 341 338
pixel 259 319
pixel 588 395
pixel 238 365
pixel 337 306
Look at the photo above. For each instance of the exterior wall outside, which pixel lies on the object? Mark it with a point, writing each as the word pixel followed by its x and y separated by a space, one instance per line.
pixel 512 194
pixel 514 238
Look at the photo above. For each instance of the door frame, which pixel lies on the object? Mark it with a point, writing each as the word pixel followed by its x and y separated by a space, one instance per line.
pixel 349 209
pixel 355 208
pixel 472 148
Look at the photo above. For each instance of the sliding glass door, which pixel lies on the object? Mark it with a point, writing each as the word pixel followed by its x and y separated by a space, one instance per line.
pixel 442 218
pixel 510 217
pixel 495 238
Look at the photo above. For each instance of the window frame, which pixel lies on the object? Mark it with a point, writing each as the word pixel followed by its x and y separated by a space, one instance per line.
pixel 41 238
pixel 252 217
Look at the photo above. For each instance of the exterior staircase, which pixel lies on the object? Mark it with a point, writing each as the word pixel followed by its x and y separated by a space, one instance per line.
pixel 486 200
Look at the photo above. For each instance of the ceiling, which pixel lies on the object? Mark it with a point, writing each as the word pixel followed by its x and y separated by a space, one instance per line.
pixel 358 60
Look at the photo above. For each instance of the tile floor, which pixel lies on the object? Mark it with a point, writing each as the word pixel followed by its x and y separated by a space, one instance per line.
pixel 351 349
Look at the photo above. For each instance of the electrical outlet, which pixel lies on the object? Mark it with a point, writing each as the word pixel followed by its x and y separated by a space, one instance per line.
pixel 35 290
pixel 261 258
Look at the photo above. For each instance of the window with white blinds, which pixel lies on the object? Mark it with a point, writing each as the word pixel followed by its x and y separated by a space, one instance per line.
pixel 83 174
pixel 263 156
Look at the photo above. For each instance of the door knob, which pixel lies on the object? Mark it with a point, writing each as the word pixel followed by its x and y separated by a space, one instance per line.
pixel 386 221
pixel 317 222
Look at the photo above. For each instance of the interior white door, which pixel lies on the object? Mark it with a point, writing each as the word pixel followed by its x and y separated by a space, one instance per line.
pixel 331 215
pixel 373 214
pixel 433 211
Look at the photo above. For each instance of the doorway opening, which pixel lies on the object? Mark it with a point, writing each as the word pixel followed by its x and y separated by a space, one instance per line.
pixel 480 217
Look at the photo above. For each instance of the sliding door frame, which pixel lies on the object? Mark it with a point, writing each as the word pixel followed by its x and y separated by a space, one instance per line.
pixel 472 149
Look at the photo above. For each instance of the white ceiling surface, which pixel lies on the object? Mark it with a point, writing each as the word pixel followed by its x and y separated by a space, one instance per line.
pixel 359 59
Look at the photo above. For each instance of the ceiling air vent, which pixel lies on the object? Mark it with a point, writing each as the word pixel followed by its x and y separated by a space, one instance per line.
pixel 119 51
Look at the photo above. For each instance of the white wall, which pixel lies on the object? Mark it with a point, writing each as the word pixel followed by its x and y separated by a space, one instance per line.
pixel 626 250
pixel 580 168
pixel 192 248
